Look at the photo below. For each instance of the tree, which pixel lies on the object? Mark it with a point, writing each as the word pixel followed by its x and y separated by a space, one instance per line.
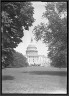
pixel 55 32
pixel 18 61
pixel 16 16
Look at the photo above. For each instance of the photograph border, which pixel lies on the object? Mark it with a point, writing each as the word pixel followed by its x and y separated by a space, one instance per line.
pixel 11 94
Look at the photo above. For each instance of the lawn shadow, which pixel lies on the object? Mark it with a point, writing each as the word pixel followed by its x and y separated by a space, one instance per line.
pixel 57 73
pixel 7 77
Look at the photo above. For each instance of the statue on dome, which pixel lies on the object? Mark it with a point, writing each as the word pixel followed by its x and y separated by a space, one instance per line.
pixel 31 40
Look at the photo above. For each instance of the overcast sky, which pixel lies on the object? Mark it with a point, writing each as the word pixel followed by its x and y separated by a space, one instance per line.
pixel 41 47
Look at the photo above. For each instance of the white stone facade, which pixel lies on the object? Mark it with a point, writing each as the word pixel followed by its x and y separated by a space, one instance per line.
pixel 32 54
pixel 33 58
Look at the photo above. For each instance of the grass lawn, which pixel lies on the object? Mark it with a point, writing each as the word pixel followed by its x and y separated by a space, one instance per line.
pixel 46 80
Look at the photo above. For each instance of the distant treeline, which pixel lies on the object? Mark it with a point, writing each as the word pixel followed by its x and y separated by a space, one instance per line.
pixel 18 60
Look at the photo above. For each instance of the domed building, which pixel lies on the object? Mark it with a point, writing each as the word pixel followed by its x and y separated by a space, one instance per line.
pixel 33 58
pixel 32 54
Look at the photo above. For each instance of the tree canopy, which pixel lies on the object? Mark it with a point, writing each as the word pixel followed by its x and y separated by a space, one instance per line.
pixel 54 32
pixel 16 17
pixel 19 60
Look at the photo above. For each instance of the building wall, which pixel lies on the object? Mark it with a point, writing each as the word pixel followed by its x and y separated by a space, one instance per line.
pixel 41 60
pixel 32 60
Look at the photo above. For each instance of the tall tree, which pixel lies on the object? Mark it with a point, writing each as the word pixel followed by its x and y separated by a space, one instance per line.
pixel 18 61
pixel 55 32
pixel 16 16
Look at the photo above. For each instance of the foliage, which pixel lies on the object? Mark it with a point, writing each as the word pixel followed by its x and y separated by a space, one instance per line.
pixel 19 60
pixel 16 16
pixel 7 57
pixel 59 60
pixel 55 32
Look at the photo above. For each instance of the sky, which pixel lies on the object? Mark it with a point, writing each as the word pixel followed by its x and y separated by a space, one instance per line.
pixel 41 47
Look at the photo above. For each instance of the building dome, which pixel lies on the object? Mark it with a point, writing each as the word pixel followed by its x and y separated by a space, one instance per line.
pixel 32 56
pixel 31 50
